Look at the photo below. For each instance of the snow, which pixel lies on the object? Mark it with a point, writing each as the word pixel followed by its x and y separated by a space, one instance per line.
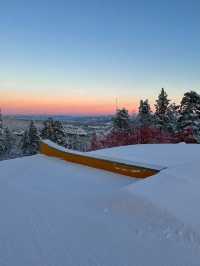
pixel 59 213
pixel 166 155
pixel 102 155
pixel 175 190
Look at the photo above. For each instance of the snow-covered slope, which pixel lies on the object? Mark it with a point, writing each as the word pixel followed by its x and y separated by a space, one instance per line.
pixel 58 213
pixel 157 154
pixel 176 190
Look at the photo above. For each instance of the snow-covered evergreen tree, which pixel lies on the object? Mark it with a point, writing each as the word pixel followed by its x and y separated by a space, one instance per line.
pixel 190 113
pixel 25 142
pixel 2 140
pixel 54 131
pixel 172 115
pixel 47 130
pixel 59 135
pixel 2 144
pixel 144 117
pixel 162 102
pixel 34 138
pixel 161 114
pixel 30 140
pixel 8 140
pixel 121 120
pixel 1 122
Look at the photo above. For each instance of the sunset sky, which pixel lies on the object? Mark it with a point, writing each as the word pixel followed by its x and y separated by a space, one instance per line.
pixel 76 57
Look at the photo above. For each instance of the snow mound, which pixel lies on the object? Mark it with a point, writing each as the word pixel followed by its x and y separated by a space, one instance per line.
pixel 176 190
pixel 157 154
pixel 102 155
pixel 59 213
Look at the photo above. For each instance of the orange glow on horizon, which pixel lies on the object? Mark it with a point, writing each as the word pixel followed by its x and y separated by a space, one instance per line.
pixel 18 105
pixel 76 105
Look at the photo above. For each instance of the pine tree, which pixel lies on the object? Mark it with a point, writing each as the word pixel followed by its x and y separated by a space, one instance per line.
pixel 33 138
pixel 8 139
pixel 162 103
pixel 59 135
pixel 161 106
pixel 121 120
pixel 144 117
pixel 30 140
pixel 189 118
pixel 25 142
pixel 47 130
pixel 2 142
pixel 54 131
pixel 1 123
pixel 172 114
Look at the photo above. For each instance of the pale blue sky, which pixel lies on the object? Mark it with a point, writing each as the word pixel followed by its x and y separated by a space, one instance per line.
pixel 98 50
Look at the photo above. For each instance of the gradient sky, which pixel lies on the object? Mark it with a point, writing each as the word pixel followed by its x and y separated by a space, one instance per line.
pixel 76 57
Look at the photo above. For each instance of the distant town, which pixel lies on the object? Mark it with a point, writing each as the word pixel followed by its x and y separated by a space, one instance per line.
pixel 169 123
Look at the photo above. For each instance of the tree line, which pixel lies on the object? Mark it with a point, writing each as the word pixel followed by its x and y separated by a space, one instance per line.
pixel 169 123
pixel 29 142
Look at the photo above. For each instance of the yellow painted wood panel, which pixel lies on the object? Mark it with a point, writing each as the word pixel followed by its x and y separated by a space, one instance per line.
pixel 109 165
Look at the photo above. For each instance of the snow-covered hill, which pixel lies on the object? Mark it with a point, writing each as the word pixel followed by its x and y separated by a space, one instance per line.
pixel 166 155
pixel 58 213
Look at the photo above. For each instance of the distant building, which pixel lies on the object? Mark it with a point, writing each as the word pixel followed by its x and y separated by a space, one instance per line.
pixel 77 138
pixel 18 133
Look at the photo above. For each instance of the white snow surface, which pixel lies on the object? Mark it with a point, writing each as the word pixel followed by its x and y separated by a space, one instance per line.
pixel 58 213
pixel 165 155
pixel 102 155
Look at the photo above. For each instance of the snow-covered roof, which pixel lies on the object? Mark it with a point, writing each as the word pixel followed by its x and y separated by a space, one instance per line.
pixel 59 213
pixel 165 155
pixel 18 132
pixel 75 131
pixel 102 155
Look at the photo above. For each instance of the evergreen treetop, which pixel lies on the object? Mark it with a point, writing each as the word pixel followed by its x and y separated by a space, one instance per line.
pixel 162 103
pixel 162 111
pixel 1 122
pixel 8 139
pixel 189 118
pixel 190 103
pixel 54 131
pixel 30 140
pixel 144 116
pixel 121 121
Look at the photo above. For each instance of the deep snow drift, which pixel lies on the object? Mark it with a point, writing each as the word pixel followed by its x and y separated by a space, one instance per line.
pixel 58 213
pixel 160 154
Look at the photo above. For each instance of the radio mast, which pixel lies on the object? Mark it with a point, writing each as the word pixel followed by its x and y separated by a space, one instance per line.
pixel 116 103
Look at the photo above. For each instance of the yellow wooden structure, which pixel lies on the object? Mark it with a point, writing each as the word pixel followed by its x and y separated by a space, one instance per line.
pixel 108 164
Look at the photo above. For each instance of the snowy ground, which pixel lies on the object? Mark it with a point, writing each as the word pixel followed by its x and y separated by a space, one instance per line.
pixel 168 155
pixel 57 213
